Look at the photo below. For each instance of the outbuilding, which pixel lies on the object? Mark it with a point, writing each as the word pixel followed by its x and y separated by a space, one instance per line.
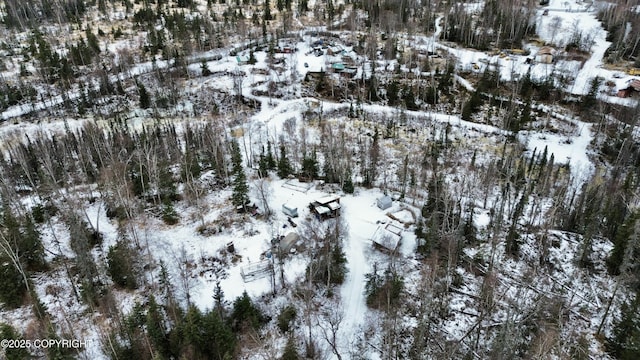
pixel 387 236
pixel 326 207
pixel 633 86
pixel 287 243
pixel 290 210
pixel 384 202
pixel 546 55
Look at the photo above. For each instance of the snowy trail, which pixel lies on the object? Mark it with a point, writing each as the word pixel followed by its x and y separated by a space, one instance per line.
pixel 353 289
pixel 591 67
pixel 352 293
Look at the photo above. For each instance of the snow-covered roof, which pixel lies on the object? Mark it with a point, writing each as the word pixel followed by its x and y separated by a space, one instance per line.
pixel 333 206
pixel 328 199
pixel 322 210
pixel 388 236
pixel 547 50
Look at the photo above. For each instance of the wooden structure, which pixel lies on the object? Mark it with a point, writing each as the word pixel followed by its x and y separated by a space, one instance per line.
pixel 387 236
pixel 546 55
pixel 256 270
pixel 326 207
pixel 632 87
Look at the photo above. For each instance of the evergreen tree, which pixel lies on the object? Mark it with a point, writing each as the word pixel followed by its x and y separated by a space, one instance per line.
pixel 526 86
pixel 589 100
pixel 245 313
pixel 169 214
pixel 145 99
pixel 167 189
pixel 31 249
pixel 374 155
pixel 409 99
pixel 383 290
pixel 310 167
pixel 290 350
pixel 240 195
pixel 263 170
pixel 221 341
pixel 12 353
pixel 12 286
pixel 348 186
pixel 284 166
pixel 303 6
pixel 445 81
pixel 625 249
pixel 469 231
pixel 155 325
pixel 625 342
pixel 205 68
pixel 266 16
pixel 121 265
pixel 525 117
pixel 271 162
pixel 392 93
pixel 472 105
pixel 286 316
pixel 24 240
pixel 513 237
pixel 92 41
pixel 331 12
pixel 372 88
pixel 190 330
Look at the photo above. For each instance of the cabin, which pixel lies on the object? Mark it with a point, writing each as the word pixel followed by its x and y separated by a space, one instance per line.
pixel 384 202
pixel 633 86
pixel 326 207
pixel 290 211
pixel 546 55
pixel 387 236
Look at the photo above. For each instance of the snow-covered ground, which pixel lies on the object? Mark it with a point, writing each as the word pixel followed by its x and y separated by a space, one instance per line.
pixel 210 262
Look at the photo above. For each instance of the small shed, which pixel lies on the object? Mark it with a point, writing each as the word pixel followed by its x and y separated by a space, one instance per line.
pixel 384 202
pixel 337 67
pixel 242 59
pixel 290 210
pixel 546 55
